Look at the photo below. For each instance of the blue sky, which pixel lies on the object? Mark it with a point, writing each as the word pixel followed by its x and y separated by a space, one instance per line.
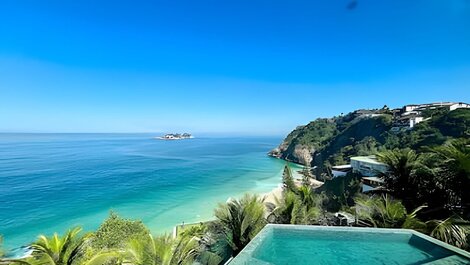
pixel 240 67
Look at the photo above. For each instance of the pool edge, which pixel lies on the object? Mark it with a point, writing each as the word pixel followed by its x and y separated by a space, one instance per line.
pixel 246 253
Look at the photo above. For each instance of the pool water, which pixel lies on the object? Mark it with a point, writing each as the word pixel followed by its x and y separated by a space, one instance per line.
pixel 289 245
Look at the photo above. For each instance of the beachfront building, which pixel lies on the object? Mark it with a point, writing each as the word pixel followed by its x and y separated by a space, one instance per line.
pixel 367 166
pixel 372 184
pixel 340 171
pixel 370 169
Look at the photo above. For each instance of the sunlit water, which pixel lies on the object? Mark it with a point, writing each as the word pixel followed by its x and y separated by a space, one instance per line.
pixel 50 182
pixel 291 245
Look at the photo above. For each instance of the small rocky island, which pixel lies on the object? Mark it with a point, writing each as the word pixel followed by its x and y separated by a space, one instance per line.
pixel 175 136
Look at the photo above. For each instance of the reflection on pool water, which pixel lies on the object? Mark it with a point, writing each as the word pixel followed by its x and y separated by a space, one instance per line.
pixel 291 244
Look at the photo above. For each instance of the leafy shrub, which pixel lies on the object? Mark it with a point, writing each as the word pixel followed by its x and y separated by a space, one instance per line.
pixel 115 232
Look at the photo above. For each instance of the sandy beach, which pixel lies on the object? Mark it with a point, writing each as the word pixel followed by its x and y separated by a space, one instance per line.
pixel 270 197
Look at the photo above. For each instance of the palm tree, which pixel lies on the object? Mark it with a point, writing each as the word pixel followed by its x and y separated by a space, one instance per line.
pixel 456 153
pixel 241 220
pixel 163 250
pixel 209 258
pixel 383 211
pixel 455 173
pixel 182 250
pixel 453 230
pixel 57 250
pixel 309 205
pixel 286 210
pixel 293 208
pixel 66 250
pixel 389 213
pixel 308 197
pixel 141 251
pixel 399 178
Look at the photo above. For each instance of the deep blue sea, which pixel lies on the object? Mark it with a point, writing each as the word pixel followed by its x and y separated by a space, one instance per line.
pixel 50 182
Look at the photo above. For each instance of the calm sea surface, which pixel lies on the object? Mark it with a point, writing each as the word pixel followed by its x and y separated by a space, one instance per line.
pixel 50 182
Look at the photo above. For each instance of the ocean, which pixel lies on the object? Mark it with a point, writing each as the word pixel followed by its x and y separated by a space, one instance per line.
pixel 51 182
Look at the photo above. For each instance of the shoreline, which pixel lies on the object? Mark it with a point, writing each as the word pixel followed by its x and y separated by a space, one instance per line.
pixel 268 197
pixel 257 174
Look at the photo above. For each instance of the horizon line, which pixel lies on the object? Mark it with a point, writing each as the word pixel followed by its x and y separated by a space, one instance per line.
pixel 200 133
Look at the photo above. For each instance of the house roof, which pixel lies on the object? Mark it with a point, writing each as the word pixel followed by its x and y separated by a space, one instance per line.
pixel 341 167
pixel 367 159
pixel 375 179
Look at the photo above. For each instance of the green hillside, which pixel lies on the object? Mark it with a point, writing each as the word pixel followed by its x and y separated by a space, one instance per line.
pixel 326 142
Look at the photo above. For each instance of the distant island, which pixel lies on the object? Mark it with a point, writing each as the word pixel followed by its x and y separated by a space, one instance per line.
pixel 175 136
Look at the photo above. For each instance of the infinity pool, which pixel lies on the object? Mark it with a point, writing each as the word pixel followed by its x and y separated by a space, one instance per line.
pixel 291 245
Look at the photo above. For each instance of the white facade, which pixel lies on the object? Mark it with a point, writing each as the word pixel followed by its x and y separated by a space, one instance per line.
pixel 415 120
pixel 459 105
pixel 371 183
pixel 367 166
pixel 336 173
pixel 340 171
pixel 421 107
pixel 408 108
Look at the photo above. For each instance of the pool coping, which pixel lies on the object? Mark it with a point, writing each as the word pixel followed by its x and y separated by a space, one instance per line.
pixel 257 240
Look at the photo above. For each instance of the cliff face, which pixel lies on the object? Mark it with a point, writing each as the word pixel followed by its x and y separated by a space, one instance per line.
pixel 326 142
pixel 302 143
pixel 298 153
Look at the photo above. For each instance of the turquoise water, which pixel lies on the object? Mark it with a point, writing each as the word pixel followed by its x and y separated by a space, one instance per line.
pixel 50 182
pixel 288 245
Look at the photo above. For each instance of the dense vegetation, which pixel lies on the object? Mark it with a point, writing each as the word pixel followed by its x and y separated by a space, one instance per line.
pixel 333 141
pixel 426 188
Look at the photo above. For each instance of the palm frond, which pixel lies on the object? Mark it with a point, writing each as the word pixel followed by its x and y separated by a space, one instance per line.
pixel 102 258
pixel 453 230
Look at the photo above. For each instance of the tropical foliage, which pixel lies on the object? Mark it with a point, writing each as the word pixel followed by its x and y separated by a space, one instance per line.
pixel 58 250
pixel 453 230
pixel 68 249
pixel 292 208
pixel 400 178
pixel 364 132
pixel 438 178
pixel 288 179
pixel 162 250
pixel 454 172
pixel 383 211
pixel 241 220
pixel 74 248
pixel 115 232
pixel 340 192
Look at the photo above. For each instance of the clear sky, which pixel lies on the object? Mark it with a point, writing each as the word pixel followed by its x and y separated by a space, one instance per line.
pixel 231 66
